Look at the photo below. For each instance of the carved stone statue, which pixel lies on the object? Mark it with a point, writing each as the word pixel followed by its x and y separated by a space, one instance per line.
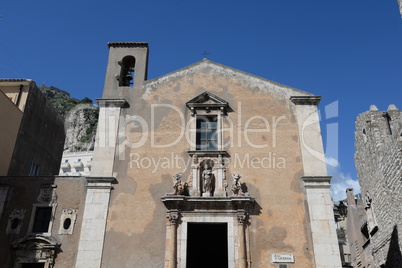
pixel 178 186
pixel 236 186
pixel 207 179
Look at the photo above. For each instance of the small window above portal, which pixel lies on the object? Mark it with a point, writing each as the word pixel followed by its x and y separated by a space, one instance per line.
pixel 206 127
pixel 206 135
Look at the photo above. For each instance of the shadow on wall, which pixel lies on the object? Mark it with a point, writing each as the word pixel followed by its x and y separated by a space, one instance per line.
pixel 394 257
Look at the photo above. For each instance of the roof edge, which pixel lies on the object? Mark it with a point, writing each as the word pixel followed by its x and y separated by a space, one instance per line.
pixel 204 61
pixel 127 44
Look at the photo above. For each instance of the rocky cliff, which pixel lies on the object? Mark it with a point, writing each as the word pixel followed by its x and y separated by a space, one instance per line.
pixel 80 116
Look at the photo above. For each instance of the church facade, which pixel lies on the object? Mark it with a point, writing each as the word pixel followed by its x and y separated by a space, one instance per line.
pixel 207 166
pixel 214 167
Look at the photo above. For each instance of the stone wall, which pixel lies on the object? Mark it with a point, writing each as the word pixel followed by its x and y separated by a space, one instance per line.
pixel 378 163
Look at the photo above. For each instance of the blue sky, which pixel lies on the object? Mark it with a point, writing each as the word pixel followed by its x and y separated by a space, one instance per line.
pixel 348 52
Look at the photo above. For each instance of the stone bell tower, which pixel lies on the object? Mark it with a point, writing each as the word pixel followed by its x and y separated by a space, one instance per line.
pixel 127 67
pixel 126 70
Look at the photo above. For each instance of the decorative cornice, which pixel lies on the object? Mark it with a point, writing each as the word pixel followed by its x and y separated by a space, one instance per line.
pixel 127 44
pixel 317 181
pixel 114 102
pixel 15 81
pixel 202 204
pixel 216 153
pixel 101 182
pixel 306 100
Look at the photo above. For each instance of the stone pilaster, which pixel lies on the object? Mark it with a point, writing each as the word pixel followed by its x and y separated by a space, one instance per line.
pixel 323 229
pixel 195 183
pixel 173 217
pixel 242 221
pixel 107 136
pixel 316 183
pixel 94 222
pixel 220 176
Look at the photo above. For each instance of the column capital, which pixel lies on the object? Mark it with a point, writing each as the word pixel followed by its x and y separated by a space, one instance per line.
pixel 242 217
pixel 173 217
pixel 317 181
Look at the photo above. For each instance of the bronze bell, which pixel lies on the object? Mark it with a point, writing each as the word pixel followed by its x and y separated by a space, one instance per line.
pixel 129 77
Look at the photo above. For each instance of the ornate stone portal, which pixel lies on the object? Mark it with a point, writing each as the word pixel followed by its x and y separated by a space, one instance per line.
pixel 35 249
pixel 200 204
pixel 203 197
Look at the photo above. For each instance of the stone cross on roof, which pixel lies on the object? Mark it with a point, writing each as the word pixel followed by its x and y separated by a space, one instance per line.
pixel 205 54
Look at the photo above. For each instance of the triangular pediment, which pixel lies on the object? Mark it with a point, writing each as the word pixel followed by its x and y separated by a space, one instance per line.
pixel 210 68
pixel 207 100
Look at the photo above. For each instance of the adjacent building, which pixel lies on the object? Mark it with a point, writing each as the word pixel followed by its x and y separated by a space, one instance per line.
pixel 31 130
pixel 76 163
pixel 40 220
pixel 378 163
pixel 356 232
pixel 340 213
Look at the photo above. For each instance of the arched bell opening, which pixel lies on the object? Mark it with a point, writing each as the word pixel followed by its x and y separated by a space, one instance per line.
pixel 126 77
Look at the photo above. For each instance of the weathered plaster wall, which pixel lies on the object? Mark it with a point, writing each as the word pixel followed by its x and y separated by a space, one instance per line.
pixel 378 163
pixel 70 193
pixel 136 223
pixel 10 119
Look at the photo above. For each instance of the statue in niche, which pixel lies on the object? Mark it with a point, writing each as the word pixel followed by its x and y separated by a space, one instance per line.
pixel 178 186
pixel 236 186
pixel 207 177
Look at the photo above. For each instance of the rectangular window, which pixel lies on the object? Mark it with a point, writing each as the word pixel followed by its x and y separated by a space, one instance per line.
pixel 43 216
pixel 206 138
pixel 33 169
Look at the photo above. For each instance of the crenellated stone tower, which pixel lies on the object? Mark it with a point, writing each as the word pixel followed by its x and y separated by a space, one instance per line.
pixel 378 163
